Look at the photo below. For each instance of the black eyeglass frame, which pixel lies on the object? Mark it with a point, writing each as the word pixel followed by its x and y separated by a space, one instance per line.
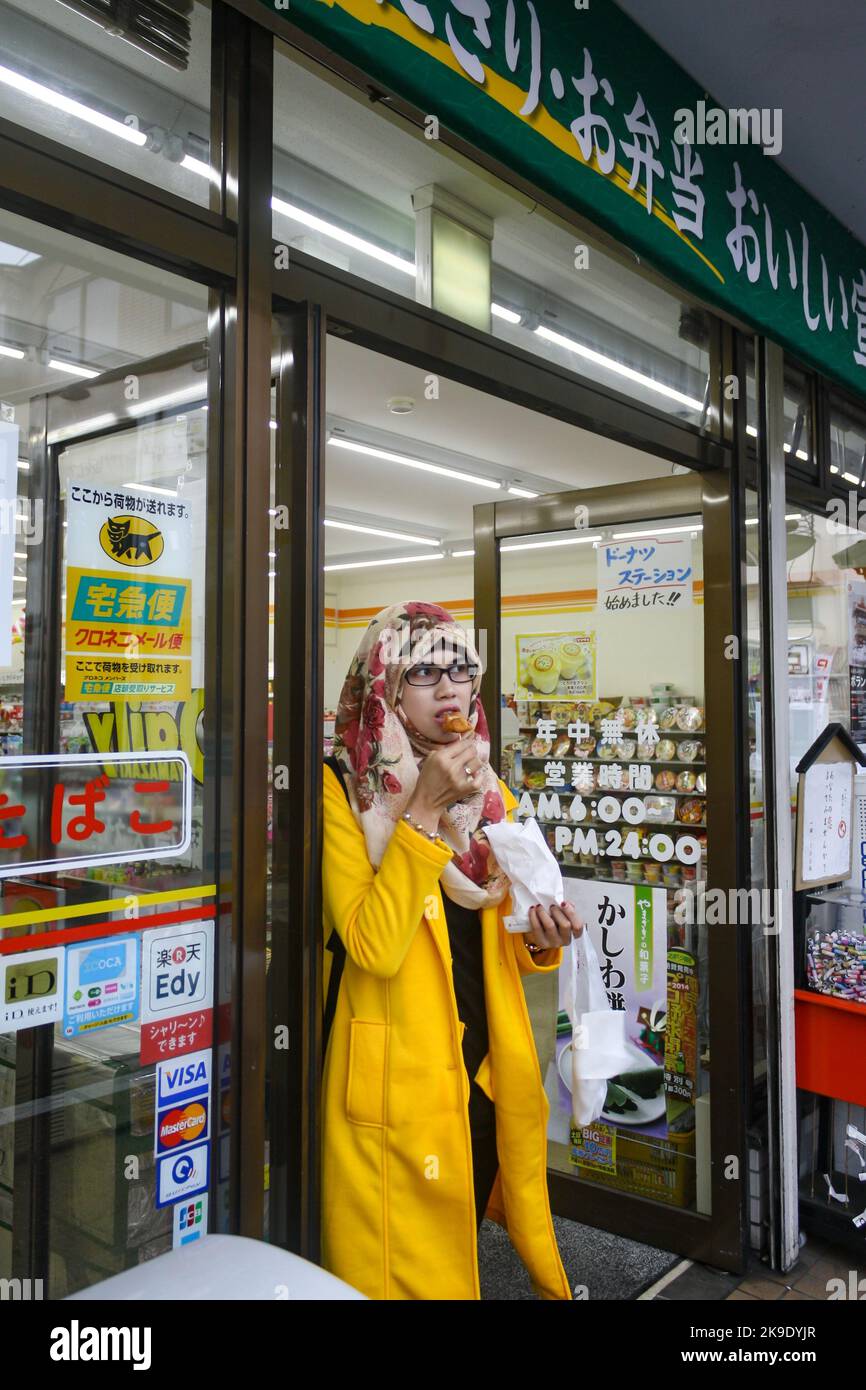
pixel 456 665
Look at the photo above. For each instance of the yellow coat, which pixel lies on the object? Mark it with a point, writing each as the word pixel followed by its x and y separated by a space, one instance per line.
pixel 398 1206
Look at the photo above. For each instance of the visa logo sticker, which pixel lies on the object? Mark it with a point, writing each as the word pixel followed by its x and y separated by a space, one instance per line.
pixel 183 1078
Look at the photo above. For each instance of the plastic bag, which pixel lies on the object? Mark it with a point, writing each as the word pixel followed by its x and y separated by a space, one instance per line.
pixel 598 1042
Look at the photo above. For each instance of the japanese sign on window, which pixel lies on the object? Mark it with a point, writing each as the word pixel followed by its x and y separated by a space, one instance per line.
pixel 101 984
pixel 628 928
pixel 555 663
pixel 67 810
pixel 826 815
pixel 31 989
pixel 649 572
pixel 177 990
pixel 128 595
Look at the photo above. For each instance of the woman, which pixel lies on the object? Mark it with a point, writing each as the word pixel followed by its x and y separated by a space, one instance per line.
pixel 430 995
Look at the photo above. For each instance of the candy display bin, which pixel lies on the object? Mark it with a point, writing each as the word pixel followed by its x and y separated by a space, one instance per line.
pixel 835 944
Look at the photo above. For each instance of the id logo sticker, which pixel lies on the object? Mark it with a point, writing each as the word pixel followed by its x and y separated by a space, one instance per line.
pixel 31 989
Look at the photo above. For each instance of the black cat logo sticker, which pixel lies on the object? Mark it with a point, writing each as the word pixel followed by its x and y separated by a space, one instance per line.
pixel 131 540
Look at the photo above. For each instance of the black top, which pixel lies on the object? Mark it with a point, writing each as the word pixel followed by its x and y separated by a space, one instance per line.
pixel 464 935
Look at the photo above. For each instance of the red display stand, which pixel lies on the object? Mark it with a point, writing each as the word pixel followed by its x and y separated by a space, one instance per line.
pixel 831 1046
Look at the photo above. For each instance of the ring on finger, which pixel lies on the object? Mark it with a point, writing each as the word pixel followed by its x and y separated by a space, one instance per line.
pixel 469 773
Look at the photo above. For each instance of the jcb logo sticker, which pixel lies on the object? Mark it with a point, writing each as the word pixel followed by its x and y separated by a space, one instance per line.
pixel 131 540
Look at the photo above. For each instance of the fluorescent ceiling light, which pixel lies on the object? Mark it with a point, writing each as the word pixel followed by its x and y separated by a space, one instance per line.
pixel 543 545
pixel 850 477
pixel 39 92
pixel 273 424
pixel 375 531
pixel 657 531
pixel 20 554
pixel 19 579
pixel 750 429
pixel 97 422
pixel 11 352
pixel 149 487
pixel 71 368
pixel 24 465
pixel 618 367
pixel 370 564
pixel 833 468
pixel 318 224
pixel 197 166
pixel 458 554
pixel 521 492
pixel 182 397
pixel 499 311
pixel 407 462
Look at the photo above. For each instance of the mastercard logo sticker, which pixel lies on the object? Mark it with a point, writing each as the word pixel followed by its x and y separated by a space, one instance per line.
pixel 182 1124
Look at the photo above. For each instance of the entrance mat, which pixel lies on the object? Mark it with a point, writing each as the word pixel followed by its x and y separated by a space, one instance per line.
pixel 609 1266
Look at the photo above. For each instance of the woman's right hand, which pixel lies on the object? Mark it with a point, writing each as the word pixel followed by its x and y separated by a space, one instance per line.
pixel 443 781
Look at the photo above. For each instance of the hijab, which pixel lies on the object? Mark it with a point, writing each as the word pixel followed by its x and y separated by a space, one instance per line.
pixel 382 753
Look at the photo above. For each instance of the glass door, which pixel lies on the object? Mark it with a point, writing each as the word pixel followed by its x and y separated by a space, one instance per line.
pixel 613 673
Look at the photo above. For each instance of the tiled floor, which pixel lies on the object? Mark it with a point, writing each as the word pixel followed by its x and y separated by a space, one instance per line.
pixel 808 1279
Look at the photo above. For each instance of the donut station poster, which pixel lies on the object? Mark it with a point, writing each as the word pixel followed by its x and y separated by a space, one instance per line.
pixel 559 665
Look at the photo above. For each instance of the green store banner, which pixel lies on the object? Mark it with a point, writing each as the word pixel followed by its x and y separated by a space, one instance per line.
pixel 583 103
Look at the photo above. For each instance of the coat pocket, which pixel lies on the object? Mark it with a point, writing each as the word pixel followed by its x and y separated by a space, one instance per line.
pixel 365 1086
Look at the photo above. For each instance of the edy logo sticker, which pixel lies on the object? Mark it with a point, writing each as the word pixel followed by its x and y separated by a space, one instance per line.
pixel 131 540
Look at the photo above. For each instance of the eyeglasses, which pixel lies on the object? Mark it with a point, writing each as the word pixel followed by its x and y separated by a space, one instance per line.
pixel 461 671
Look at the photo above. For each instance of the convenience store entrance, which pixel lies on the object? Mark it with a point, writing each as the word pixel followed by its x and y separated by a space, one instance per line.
pixel 612 699
pixel 602 614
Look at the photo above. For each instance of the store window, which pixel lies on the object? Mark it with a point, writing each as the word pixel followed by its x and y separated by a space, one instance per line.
pixel 345 177
pixel 126 84
pixel 848 442
pixel 798 444
pixel 604 743
pixel 110 1027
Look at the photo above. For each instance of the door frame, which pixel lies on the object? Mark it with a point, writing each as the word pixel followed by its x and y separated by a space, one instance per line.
pixel 719 1239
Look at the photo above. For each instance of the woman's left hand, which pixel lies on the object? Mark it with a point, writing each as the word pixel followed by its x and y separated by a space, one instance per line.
pixel 554 928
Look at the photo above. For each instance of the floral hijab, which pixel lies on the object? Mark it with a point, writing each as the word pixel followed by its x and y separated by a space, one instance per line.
pixel 382 753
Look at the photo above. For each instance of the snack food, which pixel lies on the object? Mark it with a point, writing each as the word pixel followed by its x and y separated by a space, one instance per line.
pixel 561 745
pixel 666 750
pixel 668 717
pixel 625 749
pixel 665 781
pixel 701 783
pixel 540 747
pixel 692 811
pixel 629 717
pixel 454 723
pixel 686 782
pixel 690 750
pixel 689 718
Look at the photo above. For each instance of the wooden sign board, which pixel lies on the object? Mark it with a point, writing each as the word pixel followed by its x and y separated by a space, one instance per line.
pixel 825 810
